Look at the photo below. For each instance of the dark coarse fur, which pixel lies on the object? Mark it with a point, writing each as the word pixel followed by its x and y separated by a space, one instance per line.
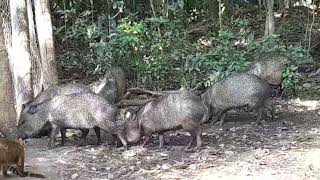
pixel 60 90
pixel 236 91
pixel 76 111
pixel 12 156
pixel 169 112
pixel 52 92
pixel 121 81
pixel 113 85
pixel 270 68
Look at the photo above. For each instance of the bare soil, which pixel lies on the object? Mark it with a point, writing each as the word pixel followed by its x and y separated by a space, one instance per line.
pixel 286 148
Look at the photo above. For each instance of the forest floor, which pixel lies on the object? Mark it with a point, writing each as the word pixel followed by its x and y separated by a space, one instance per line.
pixel 287 148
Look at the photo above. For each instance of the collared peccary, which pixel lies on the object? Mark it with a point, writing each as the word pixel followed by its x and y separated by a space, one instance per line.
pixel 60 90
pixel 236 91
pixel 113 86
pixel 54 91
pixel 167 112
pixel 270 68
pixel 76 111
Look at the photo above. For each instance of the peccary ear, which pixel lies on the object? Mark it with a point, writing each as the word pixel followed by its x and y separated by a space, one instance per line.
pixel 130 114
pixel 42 88
pixel 25 104
pixel 33 109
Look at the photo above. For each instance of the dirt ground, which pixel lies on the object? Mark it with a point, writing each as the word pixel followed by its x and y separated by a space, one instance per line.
pixel 287 148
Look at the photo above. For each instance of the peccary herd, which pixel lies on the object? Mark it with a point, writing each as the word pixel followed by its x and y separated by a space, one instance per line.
pixel 77 106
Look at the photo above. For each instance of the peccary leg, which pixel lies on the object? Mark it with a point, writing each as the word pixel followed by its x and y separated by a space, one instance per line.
pixel 222 118
pixel 260 113
pixel 193 137
pixel 113 129
pixel 199 134
pixel 146 139
pixel 215 119
pixel 271 109
pixel 123 141
pixel 161 141
pixel 115 140
pixel 5 171
pixel 84 134
pixel 97 131
pixel 63 132
pixel 54 131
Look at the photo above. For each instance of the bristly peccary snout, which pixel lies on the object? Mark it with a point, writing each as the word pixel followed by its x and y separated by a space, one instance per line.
pixel 168 112
pixel 132 123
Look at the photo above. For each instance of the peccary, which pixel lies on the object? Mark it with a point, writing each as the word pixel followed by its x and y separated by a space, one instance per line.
pixel 54 91
pixel 77 111
pixel 236 91
pixel 167 112
pixel 113 86
pixel 270 68
pixel 60 90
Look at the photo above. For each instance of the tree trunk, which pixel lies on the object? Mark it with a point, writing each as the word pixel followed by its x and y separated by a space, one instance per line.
pixel 228 6
pixel 220 13
pixel 36 74
pixel 7 111
pixel 270 27
pixel 44 31
pixel 260 4
pixel 20 63
pixel 212 7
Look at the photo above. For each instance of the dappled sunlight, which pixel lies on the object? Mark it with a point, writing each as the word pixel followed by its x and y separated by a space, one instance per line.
pixel 302 105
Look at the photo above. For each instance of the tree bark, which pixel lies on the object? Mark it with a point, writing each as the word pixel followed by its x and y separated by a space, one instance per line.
pixel 270 26
pixel 44 31
pixel 7 111
pixel 212 7
pixel 36 74
pixel 20 63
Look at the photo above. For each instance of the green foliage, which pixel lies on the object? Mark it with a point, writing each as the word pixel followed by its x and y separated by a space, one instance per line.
pixel 289 83
pixel 160 53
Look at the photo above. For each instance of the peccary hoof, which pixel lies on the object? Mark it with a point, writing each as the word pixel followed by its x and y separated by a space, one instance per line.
pixel 83 143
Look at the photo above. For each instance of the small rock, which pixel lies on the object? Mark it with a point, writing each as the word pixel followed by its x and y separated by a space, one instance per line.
pixel 94 169
pixel 244 137
pixel 110 176
pixel 193 167
pixel 166 166
pixel 306 85
pixel 221 145
pixel 233 129
pixel 229 152
pixel 129 153
pixel 74 176
pixel 163 154
pixel 284 148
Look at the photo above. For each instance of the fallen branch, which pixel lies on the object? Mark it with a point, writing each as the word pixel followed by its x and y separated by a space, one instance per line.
pixel 126 103
pixel 142 91
pixel 157 93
